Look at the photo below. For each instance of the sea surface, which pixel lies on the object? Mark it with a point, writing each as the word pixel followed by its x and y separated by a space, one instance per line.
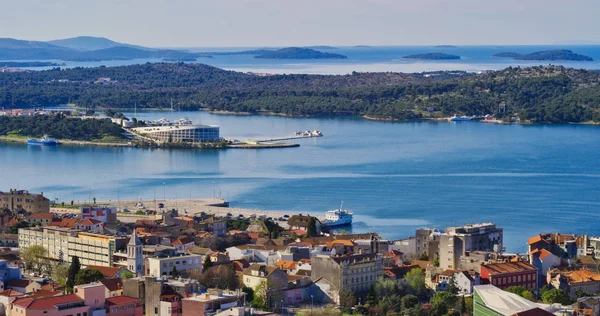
pixel 375 59
pixel 396 177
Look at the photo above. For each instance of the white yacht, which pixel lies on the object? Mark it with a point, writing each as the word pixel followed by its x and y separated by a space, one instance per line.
pixel 338 217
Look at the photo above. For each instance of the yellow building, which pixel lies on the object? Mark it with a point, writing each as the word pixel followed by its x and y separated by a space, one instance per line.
pixel 64 243
pixel 15 200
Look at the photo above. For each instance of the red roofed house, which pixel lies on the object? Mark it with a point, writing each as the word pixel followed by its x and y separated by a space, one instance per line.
pixel 124 306
pixel 42 218
pixel 544 261
pixel 506 274
pixel 183 244
pixel 109 272
pixel 86 299
pixel 90 225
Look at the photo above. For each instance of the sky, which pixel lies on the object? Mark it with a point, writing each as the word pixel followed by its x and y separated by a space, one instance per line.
pixel 231 23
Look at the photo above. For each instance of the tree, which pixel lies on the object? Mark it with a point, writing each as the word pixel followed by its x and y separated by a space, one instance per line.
pixel 86 276
pixel 452 285
pixel 423 257
pixel 311 229
pixel 515 289
pixel 436 262
pixel 221 277
pixel 127 274
pixel 409 301
pixel 174 272
pixel 207 263
pixel 441 302
pixel 528 295
pixel 260 297
pixel 33 257
pixel 249 293
pixel 72 273
pixel 556 296
pixel 60 273
pixel 416 281
pixel 347 299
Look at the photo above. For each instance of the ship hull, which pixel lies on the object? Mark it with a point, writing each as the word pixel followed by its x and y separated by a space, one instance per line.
pixel 37 143
pixel 341 222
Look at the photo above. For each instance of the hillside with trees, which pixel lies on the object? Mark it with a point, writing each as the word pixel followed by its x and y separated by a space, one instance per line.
pixel 536 94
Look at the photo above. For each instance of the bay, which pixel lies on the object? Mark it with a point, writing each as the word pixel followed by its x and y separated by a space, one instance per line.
pixel 396 177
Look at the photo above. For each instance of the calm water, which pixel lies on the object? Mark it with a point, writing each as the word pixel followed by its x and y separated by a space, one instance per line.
pixel 363 59
pixel 395 176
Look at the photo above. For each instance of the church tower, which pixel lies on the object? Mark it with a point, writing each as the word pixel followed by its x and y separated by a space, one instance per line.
pixel 135 257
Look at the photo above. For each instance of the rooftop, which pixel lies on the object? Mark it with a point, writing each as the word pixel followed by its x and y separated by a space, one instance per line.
pixel 508 267
pixel 47 302
pixel 503 302
pixel 120 300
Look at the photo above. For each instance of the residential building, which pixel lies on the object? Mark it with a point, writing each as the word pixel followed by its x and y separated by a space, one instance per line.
pixel 109 272
pixel 64 243
pixel 6 299
pixel 406 246
pixel 8 272
pixel 211 302
pixel 9 240
pixel 16 200
pixel 214 225
pixel 184 244
pixel 466 280
pixel 90 225
pixel 355 273
pixel 43 218
pixel 456 241
pixel 503 275
pixel 87 300
pixel 301 222
pixel 544 261
pixel 492 301
pixel 574 281
pixel 113 287
pixel 23 285
pixel 159 267
pixel 124 306
pixel 181 133
pixel 274 279
pixel 104 214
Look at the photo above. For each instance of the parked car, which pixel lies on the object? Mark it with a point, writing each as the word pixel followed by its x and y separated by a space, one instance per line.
pixel 126 210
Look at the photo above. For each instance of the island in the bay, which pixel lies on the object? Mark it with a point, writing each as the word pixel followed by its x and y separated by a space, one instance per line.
pixel 431 56
pixel 299 53
pixel 445 46
pixel 531 94
pixel 549 55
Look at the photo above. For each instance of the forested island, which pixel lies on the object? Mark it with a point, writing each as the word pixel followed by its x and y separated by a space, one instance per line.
pixel 547 55
pixel 23 64
pixel 534 94
pixel 432 56
pixel 62 127
pixel 299 53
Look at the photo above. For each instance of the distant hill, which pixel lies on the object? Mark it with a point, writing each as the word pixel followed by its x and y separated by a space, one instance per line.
pixel 321 47
pixel 559 54
pixel 507 55
pixel 12 43
pixel 245 52
pixel 14 49
pixel 299 53
pixel 432 56
pixel 90 43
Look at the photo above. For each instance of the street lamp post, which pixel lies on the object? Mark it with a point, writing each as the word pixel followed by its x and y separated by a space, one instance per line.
pixel 312 303
pixel 282 307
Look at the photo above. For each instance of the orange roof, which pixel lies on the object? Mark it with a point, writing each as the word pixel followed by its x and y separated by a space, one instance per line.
pixel 304 261
pixel 343 242
pixel 13 221
pixel 89 221
pixel 544 253
pixel 298 232
pixel 253 235
pixel 52 286
pixel 46 293
pixel 64 222
pixel 581 276
pixel 204 235
pixel 286 264
pixel 535 239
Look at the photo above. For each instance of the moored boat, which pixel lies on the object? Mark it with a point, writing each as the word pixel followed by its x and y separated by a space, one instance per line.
pixel 338 217
pixel 44 141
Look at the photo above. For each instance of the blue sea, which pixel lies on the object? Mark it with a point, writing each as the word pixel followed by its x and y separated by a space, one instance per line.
pixel 396 177
pixel 376 59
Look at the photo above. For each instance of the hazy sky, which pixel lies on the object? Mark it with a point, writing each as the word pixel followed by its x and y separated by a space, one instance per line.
pixel 203 23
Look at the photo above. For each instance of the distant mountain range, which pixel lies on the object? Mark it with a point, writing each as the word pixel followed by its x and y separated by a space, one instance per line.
pixel 84 48
pixel 299 53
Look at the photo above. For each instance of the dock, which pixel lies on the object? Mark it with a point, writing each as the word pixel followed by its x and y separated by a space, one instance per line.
pixel 299 135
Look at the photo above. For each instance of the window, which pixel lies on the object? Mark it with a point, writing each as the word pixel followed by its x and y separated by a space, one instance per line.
pixel 114 309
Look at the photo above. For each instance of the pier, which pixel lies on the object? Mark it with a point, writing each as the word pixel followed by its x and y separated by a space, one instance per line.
pixel 299 135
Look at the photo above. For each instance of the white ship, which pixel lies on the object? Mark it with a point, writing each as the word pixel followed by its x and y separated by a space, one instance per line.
pixel 339 217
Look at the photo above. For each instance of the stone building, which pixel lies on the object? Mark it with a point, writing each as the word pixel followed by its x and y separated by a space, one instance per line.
pixel 16 200
pixel 455 242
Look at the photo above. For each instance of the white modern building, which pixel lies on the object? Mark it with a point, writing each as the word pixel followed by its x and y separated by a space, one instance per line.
pixel 159 267
pixel 180 131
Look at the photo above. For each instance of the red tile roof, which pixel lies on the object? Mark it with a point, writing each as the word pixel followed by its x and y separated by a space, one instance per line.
pixel 64 222
pixel 46 293
pixel 535 239
pixel 11 293
pixel 41 216
pixel 119 300
pixel 508 267
pixel 47 302
pixel 18 283
pixel 112 285
pixel 89 221
pixel 183 241
pixel 107 272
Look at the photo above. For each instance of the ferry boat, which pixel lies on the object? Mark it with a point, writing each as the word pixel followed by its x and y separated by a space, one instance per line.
pixel 339 217
pixel 46 141
pixel 457 118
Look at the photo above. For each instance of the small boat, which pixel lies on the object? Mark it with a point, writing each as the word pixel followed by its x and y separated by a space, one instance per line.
pixel 44 141
pixel 457 118
pixel 339 217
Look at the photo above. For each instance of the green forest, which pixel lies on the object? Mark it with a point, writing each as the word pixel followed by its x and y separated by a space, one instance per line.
pixel 536 94
pixel 61 127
